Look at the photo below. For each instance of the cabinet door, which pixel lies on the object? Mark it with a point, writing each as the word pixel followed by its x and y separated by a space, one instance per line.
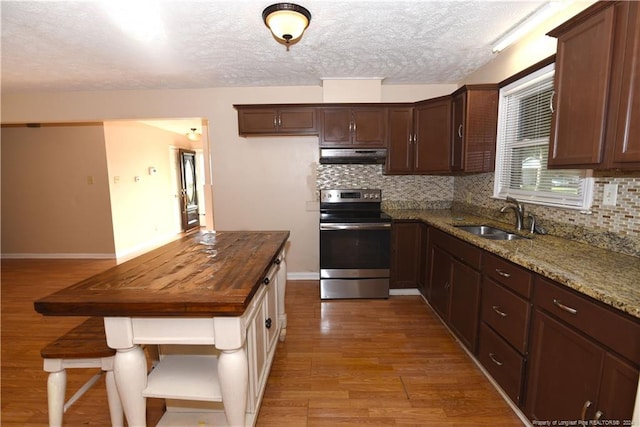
pixel 257 121
pixel 626 148
pixel 564 372
pixel 583 64
pixel 406 254
pixel 369 127
pixel 619 385
pixel 298 121
pixel 400 152
pixel 433 136
pixel 457 133
pixel 440 280
pixel 271 321
pixel 335 127
pixel 464 311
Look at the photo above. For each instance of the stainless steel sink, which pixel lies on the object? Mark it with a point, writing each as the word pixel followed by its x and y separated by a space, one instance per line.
pixel 488 232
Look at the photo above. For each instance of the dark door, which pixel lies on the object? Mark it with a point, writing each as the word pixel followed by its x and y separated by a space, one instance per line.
pixel 188 193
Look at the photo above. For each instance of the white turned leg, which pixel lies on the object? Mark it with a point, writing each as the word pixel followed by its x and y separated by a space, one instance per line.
pixel 56 389
pixel 130 371
pixel 233 374
pixel 115 406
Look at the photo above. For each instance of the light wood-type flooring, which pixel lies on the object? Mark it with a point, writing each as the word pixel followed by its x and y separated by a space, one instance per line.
pixel 343 363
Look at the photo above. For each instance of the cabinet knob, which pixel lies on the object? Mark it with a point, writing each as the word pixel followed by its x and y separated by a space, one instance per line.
pixel 278 261
pixel 266 281
pixel 267 323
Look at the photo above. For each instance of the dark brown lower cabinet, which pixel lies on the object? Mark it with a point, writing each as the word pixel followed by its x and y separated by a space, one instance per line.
pixel 440 280
pixel 505 365
pixel 406 254
pixel 558 354
pixel 465 303
pixel 573 378
pixel 454 284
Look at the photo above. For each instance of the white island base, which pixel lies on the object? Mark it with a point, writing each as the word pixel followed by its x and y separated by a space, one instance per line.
pixel 211 371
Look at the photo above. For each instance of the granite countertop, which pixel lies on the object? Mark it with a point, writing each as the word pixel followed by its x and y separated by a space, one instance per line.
pixel 606 276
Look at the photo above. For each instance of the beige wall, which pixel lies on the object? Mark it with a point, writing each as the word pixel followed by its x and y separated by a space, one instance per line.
pixel 49 204
pixel 257 183
pixel 144 210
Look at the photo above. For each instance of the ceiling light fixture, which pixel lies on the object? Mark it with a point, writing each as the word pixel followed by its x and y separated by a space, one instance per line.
pixel 526 25
pixel 287 22
pixel 192 135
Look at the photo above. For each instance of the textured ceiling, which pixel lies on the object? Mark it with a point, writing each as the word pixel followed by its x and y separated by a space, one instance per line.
pixel 75 45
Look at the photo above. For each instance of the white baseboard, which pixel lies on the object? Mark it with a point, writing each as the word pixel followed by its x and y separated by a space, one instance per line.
pixel 406 291
pixel 304 275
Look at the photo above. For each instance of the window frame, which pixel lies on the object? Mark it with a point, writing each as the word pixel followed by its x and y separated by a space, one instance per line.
pixel 584 200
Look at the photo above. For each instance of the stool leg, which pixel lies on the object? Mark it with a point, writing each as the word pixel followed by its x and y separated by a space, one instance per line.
pixel 115 406
pixel 56 389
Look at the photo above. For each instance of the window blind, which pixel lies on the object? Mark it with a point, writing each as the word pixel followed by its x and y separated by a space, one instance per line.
pixel 523 146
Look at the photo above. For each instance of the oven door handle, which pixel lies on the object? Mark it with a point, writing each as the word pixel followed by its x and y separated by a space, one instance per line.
pixel 352 226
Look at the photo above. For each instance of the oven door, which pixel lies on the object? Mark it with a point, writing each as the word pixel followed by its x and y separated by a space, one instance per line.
pixel 354 260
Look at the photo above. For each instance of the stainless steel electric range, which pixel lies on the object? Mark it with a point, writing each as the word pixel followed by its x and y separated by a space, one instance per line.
pixel 355 239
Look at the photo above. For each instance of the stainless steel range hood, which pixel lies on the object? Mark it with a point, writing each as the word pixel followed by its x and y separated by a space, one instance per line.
pixel 356 156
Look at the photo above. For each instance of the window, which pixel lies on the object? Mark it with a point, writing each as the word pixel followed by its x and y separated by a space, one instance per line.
pixel 524 126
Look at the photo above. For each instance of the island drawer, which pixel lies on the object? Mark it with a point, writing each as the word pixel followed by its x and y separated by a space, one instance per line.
pixel 508 274
pixel 507 313
pixel 504 364
pixel 613 329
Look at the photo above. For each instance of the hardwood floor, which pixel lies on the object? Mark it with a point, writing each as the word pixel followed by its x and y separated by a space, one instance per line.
pixel 344 363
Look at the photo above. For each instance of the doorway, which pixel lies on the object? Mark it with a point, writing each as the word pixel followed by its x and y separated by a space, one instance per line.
pixel 188 190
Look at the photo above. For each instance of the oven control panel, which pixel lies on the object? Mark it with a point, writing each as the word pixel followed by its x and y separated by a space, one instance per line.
pixel 350 196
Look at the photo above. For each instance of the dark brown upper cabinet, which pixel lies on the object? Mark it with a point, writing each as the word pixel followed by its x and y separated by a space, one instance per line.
pixel 353 126
pixel 475 125
pixel 596 95
pixel 419 138
pixel 401 150
pixel 255 120
pixel 432 138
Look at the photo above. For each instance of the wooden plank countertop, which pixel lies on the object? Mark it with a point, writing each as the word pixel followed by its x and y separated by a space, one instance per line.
pixel 200 275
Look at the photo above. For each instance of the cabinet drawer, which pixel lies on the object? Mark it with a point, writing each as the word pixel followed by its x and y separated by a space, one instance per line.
pixel 463 251
pixel 504 364
pixel 507 314
pixel 612 329
pixel 510 275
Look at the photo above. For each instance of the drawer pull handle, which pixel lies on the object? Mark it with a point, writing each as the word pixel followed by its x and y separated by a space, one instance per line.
pixel 584 409
pixel 496 308
pixel 267 323
pixel 266 281
pixel 503 273
pixel 494 360
pixel 561 306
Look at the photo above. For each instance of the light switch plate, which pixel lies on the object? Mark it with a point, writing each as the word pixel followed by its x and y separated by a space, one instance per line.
pixel 610 196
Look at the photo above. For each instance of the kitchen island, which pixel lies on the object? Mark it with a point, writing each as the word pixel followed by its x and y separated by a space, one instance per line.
pixel 223 291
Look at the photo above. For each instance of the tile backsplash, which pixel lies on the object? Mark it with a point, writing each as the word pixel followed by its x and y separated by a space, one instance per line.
pixel 614 228
pixel 402 191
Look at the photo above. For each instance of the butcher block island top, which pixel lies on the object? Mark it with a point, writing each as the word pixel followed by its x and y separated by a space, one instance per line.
pixel 200 275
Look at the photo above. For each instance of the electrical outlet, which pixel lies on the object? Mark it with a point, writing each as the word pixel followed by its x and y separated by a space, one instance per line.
pixel 610 195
